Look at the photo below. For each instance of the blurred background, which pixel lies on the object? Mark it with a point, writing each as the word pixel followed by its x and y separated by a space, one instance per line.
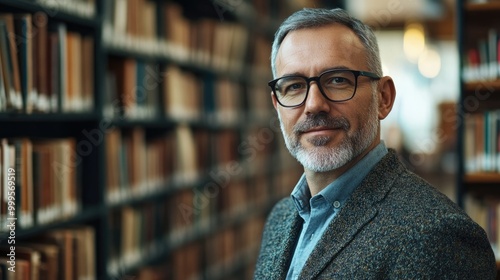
pixel 144 145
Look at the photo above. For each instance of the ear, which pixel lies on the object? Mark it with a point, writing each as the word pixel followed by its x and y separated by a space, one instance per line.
pixel 275 102
pixel 386 96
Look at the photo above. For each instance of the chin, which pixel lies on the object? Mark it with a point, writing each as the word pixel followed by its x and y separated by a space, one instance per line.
pixel 323 158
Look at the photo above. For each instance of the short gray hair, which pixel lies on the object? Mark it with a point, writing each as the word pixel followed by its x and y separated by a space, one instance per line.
pixel 310 18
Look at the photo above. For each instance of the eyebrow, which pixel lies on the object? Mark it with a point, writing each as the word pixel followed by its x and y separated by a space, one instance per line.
pixel 340 67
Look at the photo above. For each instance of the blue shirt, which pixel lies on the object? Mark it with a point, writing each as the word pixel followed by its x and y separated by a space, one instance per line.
pixel 318 211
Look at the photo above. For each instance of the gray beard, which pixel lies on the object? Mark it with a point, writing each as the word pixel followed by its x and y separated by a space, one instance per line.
pixel 320 158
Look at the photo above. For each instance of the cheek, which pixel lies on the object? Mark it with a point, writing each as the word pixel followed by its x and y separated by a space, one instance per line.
pixel 287 118
pixel 357 119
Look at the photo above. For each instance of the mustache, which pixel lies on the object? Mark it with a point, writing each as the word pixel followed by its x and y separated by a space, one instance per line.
pixel 322 120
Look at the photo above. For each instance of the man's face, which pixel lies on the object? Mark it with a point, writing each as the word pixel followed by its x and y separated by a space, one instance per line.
pixel 321 134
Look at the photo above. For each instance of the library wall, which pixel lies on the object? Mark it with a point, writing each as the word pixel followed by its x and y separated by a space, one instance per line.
pixel 138 138
pixel 479 115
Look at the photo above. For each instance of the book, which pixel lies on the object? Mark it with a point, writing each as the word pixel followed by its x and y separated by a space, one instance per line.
pixel 183 94
pixel 73 248
pixel 131 25
pixel 42 59
pixel 56 195
pixel 24 42
pixel 124 71
pixel 15 99
pixel 186 155
pixel 27 262
pixel 3 93
pixel 7 69
pixel 49 259
pixel 137 166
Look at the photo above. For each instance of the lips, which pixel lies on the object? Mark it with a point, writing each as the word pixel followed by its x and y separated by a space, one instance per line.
pixel 320 129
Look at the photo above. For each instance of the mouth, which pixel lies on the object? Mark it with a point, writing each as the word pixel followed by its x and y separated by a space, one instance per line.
pixel 319 129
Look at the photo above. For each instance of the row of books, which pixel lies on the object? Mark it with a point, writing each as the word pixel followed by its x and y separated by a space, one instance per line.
pixel 138 90
pixel 210 42
pixel 148 163
pixel 44 68
pixel 482 62
pixel 46 185
pixel 58 254
pixel 139 166
pixel 188 96
pixel 482 142
pixel 132 89
pixel 138 233
pixel 217 256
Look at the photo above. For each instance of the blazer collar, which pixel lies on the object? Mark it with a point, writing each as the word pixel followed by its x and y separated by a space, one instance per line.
pixel 292 228
pixel 358 211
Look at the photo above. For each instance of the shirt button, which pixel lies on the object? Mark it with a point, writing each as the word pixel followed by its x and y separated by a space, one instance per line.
pixel 336 204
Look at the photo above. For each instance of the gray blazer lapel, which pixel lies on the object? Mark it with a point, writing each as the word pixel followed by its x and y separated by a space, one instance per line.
pixel 278 245
pixel 358 211
pixel 339 233
pixel 287 245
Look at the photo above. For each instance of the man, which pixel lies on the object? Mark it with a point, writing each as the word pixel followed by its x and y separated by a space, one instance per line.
pixel 357 212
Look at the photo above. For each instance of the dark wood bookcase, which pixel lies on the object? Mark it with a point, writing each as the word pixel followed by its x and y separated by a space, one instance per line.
pixel 478 173
pixel 178 159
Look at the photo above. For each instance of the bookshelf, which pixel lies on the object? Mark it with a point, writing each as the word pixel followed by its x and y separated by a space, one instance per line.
pixel 142 137
pixel 479 115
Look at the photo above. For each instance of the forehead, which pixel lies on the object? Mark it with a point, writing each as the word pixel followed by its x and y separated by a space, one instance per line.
pixel 310 51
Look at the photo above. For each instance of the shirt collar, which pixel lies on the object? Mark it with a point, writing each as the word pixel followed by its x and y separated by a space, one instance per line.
pixel 341 189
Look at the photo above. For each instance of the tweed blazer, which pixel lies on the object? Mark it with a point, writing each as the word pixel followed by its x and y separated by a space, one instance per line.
pixel 394 226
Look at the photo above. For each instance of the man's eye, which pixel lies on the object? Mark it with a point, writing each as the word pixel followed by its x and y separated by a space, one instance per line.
pixel 338 80
pixel 296 86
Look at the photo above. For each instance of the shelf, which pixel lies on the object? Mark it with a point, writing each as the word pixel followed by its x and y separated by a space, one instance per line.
pixel 161 249
pixel 213 124
pixel 49 117
pixel 166 189
pixel 492 6
pixel 53 12
pixel 165 123
pixel 85 215
pixel 158 122
pixel 481 96
pixel 164 53
pixel 478 85
pixel 481 178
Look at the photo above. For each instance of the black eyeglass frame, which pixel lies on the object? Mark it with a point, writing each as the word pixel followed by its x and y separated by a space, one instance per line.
pixel 308 80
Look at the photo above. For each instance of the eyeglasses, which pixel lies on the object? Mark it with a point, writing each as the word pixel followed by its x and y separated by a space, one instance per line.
pixel 335 85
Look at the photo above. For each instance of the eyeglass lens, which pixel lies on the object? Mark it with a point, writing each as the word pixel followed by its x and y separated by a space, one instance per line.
pixel 336 85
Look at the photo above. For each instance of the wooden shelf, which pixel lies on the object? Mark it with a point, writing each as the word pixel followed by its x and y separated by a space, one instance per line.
pixel 482 177
pixel 48 117
pixel 71 17
pixel 92 132
pixel 83 216
pixel 492 6
pixel 478 85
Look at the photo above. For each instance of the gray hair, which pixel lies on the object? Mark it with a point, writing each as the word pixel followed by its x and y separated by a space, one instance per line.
pixel 310 18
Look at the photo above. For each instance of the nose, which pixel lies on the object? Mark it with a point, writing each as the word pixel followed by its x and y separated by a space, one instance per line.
pixel 316 101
